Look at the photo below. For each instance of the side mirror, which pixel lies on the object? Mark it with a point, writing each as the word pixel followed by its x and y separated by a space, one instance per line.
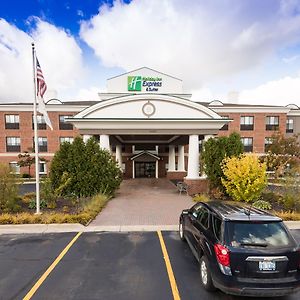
pixel 185 211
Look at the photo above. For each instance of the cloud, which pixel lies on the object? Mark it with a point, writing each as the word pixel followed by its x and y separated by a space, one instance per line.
pixel 276 92
pixel 59 55
pixel 198 41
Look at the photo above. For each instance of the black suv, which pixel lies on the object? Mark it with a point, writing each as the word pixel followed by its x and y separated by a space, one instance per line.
pixel 241 251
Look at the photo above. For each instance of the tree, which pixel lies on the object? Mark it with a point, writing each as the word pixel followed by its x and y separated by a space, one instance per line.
pixel 283 154
pixel 26 160
pixel 214 151
pixel 84 169
pixel 244 177
pixel 8 190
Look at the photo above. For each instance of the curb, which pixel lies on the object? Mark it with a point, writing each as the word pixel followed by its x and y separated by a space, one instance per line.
pixel 64 228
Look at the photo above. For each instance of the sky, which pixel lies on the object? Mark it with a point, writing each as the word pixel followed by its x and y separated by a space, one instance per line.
pixel 231 50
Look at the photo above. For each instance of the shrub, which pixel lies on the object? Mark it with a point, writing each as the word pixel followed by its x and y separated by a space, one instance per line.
pixel 245 177
pixel 28 197
pixel 32 204
pixel 89 211
pixel 214 151
pixel 26 175
pixel 84 170
pixel 9 200
pixel 48 195
pixel 201 198
pixel 261 204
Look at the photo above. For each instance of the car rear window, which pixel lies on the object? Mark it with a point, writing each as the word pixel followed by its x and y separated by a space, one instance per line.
pixel 258 234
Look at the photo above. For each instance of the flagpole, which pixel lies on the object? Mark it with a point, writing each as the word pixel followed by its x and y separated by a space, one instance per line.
pixel 36 146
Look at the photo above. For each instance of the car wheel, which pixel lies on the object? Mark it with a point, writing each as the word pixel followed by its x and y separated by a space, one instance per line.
pixel 205 275
pixel 181 230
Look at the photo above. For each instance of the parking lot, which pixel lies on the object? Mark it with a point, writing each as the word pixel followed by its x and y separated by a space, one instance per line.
pixel 100 266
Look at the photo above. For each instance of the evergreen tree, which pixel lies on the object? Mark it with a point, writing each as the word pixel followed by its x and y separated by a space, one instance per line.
pixel 84 169
pixel 214 151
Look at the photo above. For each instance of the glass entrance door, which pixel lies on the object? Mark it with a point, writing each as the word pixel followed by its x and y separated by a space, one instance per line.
pixel 144 169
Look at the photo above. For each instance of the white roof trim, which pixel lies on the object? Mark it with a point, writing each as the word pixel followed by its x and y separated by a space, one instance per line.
pixel 160 97
pixel 145 152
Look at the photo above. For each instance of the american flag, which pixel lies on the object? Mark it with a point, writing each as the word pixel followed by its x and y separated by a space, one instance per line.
pixel 41 84
pixel 40 91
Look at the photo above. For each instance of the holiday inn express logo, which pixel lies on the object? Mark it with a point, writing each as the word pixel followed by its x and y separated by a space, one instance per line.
pixel 135 83
pixel 145 84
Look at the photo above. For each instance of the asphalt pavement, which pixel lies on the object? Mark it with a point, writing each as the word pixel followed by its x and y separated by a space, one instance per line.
pixel 99 265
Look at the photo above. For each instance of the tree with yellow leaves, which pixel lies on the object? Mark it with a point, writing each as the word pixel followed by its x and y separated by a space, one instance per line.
pixel 245 177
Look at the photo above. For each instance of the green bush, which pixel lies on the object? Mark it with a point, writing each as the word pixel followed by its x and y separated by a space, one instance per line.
pixel 32 204
pixel 84 170
pixel 48 195
pixel 214 151
pixel 261 204
pixel 9 200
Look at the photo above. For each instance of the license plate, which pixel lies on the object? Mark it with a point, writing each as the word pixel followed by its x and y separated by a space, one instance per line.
pixel 267 265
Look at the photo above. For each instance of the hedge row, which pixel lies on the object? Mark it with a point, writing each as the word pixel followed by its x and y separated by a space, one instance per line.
pixel 89 212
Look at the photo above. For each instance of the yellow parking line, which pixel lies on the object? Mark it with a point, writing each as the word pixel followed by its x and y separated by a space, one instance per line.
pixel 50 269
pixel 172 280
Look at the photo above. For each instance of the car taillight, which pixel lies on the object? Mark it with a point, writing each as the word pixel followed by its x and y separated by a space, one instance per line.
pixel 222 254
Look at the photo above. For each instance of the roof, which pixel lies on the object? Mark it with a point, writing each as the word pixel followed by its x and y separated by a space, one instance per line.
pixel 145 68
pixel 239 213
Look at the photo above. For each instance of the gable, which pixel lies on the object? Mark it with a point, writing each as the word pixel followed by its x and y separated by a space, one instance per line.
pixel 144 80
pixel 148 107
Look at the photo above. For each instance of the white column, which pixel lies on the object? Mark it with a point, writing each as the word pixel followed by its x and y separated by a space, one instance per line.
pixel 156 169
pixel 133 170
pixel 85 137
pixel 171 158
pixel 193 161
pixel 207 137
pixel 104 142
pixel 119 155
pixel 181 158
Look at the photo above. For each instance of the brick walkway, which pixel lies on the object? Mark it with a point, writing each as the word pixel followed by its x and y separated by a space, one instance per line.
pixel 144 201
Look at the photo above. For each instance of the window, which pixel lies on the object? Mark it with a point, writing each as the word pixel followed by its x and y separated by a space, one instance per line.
pixel 14 167
pixel 41 124
pixel 248 144
pixel 217 225
pixel 272 123
pixel 263 234
pixel 203 217
pixel 42 144
pixel 13 144
pixel 225 126
pixel 12 122
pixel 62 123
pixel 42 167
pixel 268 142
pixel 68 139
pixel 247 123
pixel 289 125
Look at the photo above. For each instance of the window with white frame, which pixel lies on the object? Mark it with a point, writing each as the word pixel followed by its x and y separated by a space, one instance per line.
pixel 12 122
pixel 289 125
pixel 247 123
pixel 66 139
pixel 272 122
pixel 268 142
pixel 42 144
pixel 63 125
pixel 41 124
pixel 13 144
pixel 14 167
pixel 248 143
pixel 42 167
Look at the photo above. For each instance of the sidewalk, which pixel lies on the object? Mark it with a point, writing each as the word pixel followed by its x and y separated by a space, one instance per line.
pixel 59 228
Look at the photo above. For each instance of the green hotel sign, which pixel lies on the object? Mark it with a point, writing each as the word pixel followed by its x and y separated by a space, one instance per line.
pixel 140 83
